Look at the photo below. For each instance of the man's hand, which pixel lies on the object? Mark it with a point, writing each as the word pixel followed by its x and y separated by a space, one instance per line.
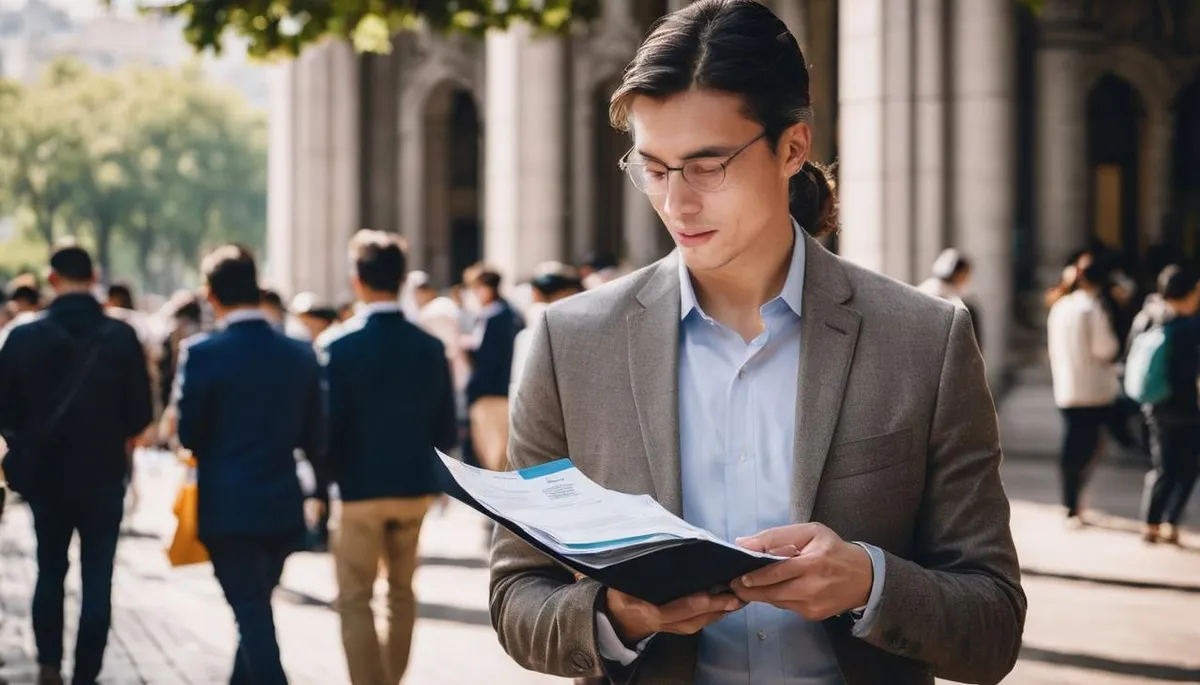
pixel 635 620
pixel 314 511
pixel 825 576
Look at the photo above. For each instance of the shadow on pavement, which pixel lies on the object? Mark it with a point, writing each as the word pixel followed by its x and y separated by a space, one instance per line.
pixel 1113 582
pixel 1174 674
pixel 427 610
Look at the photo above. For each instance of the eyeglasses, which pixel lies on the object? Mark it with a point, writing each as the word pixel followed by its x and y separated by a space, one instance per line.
pixel 705 175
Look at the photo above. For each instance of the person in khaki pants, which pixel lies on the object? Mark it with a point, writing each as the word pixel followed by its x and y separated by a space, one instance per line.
pixel 491 352
pixel 391 402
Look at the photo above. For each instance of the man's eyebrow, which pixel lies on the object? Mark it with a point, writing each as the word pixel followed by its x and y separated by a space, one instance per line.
pixel 702 153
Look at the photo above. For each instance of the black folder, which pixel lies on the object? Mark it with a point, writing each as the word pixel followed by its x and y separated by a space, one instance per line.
pixel 659 576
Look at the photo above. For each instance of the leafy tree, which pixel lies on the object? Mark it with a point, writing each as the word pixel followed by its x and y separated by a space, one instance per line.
pixel 40 151
pixel 286 26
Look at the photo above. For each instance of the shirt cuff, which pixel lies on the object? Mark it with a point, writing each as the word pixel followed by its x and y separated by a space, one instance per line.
pixel 610 645
pixel 864 617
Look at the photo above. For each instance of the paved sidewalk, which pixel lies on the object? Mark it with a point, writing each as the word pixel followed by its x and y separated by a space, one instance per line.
pixel 1105 609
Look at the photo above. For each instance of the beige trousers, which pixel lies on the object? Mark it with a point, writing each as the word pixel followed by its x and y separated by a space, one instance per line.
pixel 371 532
pixel 489 432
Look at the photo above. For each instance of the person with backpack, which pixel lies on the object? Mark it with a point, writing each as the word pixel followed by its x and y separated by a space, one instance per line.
pixel 74 397
pixel 1161 373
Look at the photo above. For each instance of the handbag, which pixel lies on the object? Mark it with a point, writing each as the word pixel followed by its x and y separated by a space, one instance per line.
pixel 186 548
pixel 24 451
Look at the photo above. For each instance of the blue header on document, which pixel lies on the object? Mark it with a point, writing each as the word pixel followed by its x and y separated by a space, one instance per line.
pixel 550 467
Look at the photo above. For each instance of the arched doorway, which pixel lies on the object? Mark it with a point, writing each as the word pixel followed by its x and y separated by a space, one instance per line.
pixel 1186 174
pixel 452 198
pixel 1116 118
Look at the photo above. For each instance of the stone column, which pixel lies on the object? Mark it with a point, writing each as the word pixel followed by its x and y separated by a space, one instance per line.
pixel 676 5
pixel 525 160
pixel 794 14
pixel 983 162
pixel 930 227
pixel 345 214
pixel 876 174
pixel 281 176
pixel 1062 165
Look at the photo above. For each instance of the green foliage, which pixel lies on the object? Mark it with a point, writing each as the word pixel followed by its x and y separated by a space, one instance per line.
pixel 285 26
pixel 155 162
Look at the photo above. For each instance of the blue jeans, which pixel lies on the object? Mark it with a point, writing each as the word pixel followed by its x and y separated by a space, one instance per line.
pixel 97 516
pixel 248 569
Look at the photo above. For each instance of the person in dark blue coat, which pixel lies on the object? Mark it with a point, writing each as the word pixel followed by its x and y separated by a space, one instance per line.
pixel 491 353
pixel 391 402
pixel 247 398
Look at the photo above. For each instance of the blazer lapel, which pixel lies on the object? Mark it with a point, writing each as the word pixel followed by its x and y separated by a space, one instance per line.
pixel 830 331
pixel 654 376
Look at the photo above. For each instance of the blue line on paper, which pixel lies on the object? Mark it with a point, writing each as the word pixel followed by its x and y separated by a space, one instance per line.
pixel 546 469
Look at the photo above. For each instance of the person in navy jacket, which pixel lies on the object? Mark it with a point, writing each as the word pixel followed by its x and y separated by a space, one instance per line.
pixel 391 402
pixel 247 398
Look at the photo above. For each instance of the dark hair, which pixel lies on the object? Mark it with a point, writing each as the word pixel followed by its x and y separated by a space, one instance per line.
pixel 24 293
pixel 72 263
pixel 738 47
pixel 378 260
pixel 488 278
pixel 231 276
pixel 272 298
pixel 1094 274
pixel 121 294
pixel 1178 281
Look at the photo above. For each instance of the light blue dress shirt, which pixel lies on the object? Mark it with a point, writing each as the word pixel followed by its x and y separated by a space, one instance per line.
pixel 737 423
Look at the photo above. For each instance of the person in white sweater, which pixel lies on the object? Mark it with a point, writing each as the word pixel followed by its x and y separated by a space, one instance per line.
pixel 1083 351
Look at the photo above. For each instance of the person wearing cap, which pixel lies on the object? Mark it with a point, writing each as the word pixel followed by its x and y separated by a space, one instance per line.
pixel 313 316
pixel 553 281
pixel 951 281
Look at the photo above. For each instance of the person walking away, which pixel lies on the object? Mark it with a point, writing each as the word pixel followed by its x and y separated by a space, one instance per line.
pixel 491 353
pixel 951 281
pixel 1083 350
pixel 391 403
pixel 74 394
pixel 1174 420
pixel 247 397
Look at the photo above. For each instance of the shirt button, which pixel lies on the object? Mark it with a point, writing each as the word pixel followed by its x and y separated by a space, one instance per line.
pixel 762 635
pixel 742 457
pixel 741 373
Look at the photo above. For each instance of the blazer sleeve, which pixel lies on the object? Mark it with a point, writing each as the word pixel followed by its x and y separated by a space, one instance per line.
pixel 315 436
pixel 446 434
pixel 139 395
pixel 543 617
pixel 957 604
pixel 190 398
pixel 338 407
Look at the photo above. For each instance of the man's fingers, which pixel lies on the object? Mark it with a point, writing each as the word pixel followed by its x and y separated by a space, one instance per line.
pixel 695 624
pixel 779 572
pixel 799 535
pixel 699 604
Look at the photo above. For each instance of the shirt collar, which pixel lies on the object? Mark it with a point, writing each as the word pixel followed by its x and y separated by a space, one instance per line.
pixel 243 316
pixel 385 307
pixel 793 288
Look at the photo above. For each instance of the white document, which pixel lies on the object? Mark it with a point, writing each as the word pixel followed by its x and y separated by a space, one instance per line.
pixel 567 511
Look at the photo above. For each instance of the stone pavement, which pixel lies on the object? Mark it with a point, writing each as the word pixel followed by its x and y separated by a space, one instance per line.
pixel 1104 608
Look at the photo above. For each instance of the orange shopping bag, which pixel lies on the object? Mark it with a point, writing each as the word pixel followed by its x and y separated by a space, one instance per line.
pixel 186 547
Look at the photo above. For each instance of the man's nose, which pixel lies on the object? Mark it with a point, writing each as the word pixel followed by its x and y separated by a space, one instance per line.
pixel 680 199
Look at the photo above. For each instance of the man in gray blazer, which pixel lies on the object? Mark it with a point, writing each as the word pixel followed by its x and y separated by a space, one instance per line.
pixel 766 390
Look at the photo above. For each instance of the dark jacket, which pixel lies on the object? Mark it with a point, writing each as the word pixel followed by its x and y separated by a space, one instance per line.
pixel 249 397
pixel 391 402
pixel 87 452
pixel 1183 336
pixel 491 362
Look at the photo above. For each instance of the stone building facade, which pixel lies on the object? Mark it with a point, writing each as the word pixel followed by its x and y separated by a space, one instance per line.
pixel 1014 136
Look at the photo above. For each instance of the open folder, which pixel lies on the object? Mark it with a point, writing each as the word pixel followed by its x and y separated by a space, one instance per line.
pixel 626 542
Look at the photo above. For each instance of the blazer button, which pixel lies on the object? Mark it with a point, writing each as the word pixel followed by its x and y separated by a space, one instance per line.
pixel 582 661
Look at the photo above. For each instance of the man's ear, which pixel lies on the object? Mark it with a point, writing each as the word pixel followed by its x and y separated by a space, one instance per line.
pixel 795 145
